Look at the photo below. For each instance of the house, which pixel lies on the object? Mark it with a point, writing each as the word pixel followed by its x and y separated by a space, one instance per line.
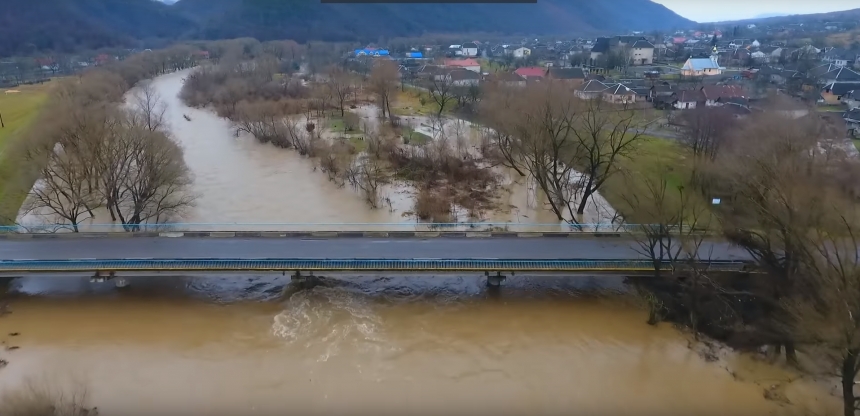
pixel 521 53
pixel 834 92
pixel 852 121
pixel 571 76
pixel 828 73
pixel 619 94
pixel 839 57
pixel 531 72
pixel 719 95
pixel 600 49
pixel 697 67
pixel 469 49
pixel 371 52
pixel 642 53
pixel 687 99
pixel 470 64
pixel 590 90
pixel 464 77
pixel 510 79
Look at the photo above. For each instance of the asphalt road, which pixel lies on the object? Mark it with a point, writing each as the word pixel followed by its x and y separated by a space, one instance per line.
pixel 380 248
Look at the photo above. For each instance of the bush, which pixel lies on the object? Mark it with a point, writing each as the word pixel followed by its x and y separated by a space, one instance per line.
pixel 433 206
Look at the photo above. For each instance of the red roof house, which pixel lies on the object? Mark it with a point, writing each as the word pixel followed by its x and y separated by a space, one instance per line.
pixel 531 72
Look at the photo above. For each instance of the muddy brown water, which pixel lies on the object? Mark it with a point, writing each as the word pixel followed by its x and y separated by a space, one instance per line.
pixel 375 345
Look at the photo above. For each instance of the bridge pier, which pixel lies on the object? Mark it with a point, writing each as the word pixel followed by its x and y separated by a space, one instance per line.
pixel 495 281
pixel 307 281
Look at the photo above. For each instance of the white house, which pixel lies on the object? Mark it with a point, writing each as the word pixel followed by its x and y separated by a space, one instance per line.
pixel 520 53
pixel 642 53
pixel 469 49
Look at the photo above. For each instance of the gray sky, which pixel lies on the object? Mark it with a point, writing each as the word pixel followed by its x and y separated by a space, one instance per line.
pixel 705 11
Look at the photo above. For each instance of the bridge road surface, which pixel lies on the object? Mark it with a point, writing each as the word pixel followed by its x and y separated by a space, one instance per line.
pixel 536 248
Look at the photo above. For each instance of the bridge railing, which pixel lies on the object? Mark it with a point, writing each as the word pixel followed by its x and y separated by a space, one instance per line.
pixel 518 227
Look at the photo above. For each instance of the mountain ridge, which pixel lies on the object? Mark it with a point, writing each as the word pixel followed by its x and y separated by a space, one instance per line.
pixel 68 25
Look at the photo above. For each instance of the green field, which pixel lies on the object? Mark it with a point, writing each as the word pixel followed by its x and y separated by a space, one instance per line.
pixel 18 110
pixel 653 157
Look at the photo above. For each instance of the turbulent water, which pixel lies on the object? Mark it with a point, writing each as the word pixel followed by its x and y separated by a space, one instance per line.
pixel 375 345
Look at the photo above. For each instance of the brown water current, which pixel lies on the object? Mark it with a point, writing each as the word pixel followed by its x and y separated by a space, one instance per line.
pixel 375 345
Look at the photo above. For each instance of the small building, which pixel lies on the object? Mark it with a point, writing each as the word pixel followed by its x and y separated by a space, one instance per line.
pixel 834 92
pixel 571 76
pixel 531 72
pixel 687 99
pixel 619 94
pixel 470 64
pixel 464 78
pixel 510 79
pixel 469 49
pixel 371 52
pixel 521 53
pixel 591 90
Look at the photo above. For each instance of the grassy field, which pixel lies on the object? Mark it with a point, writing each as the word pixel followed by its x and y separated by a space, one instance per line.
pixel 653 157
pixel 18 110
pixel 832 108
pixel 413 102
pixel 410 136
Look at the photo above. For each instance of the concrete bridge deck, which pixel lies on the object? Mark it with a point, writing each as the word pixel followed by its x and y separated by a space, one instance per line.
pixel 540 248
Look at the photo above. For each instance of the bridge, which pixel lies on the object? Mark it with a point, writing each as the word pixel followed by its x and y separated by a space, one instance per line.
pixel 105 256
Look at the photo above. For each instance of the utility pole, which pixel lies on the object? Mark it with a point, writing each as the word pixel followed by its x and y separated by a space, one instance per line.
pixel 1 121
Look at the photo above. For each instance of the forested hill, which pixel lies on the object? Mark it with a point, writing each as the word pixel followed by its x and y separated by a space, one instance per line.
pixel 67 25
pixel 309 19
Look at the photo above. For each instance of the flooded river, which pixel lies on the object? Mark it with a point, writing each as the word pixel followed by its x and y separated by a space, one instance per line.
pixel 241 184
pixel 374 345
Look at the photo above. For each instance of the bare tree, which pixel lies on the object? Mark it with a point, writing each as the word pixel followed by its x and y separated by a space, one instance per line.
pixel 441 88
pixel 604 135
pixel 705 130
pixel 825 310
pixel 775 191
pixel 154 187
pixel 367 175
pixel 341 87
pixel 151 107
pixel 383 84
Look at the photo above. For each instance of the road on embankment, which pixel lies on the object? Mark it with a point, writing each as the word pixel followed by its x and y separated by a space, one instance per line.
pixel 538 248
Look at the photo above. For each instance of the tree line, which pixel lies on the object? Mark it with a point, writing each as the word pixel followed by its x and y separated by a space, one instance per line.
pixel 87 151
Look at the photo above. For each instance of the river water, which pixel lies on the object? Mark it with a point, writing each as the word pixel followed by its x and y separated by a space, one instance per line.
pixel 363 344
pixel 375 345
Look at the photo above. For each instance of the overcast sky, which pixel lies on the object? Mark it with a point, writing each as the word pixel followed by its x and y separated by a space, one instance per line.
pixel 705 11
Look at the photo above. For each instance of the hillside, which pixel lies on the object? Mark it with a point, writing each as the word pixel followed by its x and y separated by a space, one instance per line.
pixel 69 25
pixel 840 16
pixel 309 19
pixel 27 26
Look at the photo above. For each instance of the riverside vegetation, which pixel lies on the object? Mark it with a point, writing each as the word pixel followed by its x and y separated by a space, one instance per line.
pixel 788 190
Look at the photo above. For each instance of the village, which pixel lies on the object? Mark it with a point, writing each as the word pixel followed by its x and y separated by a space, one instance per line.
pixel 681 71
